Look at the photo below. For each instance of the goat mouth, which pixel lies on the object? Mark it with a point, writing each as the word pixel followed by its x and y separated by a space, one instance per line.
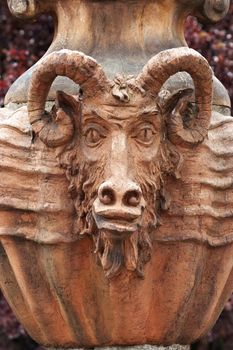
pixel 117 223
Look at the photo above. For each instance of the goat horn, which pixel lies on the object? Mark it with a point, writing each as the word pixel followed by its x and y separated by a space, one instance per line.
pixel 169 62
pixel 75 65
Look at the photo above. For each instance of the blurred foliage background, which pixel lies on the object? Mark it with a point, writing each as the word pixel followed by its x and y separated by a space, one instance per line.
pixel 21 45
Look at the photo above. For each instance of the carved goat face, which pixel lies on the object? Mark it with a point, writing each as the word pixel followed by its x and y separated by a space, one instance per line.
pixel 115 144
pixel 113 165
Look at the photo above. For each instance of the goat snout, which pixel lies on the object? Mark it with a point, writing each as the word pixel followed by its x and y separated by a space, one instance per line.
pixel 129 193
pixel 119 205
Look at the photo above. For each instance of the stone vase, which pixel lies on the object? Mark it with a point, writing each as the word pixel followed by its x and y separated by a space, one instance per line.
pixel 52 277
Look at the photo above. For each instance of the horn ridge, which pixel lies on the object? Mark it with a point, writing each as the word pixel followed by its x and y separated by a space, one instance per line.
pixel 169 62
pixel 75 65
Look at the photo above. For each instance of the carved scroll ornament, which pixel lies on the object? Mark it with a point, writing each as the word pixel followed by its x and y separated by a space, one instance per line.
pixel 215 10
pixel 24 8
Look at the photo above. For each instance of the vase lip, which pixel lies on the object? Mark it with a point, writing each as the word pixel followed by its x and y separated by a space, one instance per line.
pixel 205 10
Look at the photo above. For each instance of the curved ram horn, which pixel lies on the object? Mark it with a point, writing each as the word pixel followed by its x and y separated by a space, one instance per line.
pixel 169 62
pixel 82 69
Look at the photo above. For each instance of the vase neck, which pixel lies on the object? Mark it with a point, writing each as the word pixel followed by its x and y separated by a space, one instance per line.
pixel 120 35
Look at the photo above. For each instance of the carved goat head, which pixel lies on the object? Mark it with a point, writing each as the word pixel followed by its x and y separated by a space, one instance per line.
pixel 116 139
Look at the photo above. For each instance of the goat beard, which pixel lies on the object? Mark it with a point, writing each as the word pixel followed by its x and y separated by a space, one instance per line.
pixel 134 251
pixel 131 253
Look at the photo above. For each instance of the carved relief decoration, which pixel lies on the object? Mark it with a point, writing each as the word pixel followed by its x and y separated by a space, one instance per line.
pixel 125 180
pixel 214 10
pixel 117 140
pixel 23 8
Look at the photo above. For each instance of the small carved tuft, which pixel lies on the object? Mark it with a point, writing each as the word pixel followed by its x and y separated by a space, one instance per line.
pixel 120 88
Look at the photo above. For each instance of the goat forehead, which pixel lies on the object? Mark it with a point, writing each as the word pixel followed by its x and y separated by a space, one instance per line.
pixel 120 112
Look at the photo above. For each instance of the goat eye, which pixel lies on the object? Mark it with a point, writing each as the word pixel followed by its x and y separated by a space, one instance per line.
pixel 93 137
pixel 145 135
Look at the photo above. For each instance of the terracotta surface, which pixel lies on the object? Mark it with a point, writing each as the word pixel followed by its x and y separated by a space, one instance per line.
pixel 110 135
pixel 116 214
pixel 116 203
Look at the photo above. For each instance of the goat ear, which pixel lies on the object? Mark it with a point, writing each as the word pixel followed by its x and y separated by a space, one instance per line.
pixel 184 127
pixel 59 125
pixel 66 102
pixel 169 101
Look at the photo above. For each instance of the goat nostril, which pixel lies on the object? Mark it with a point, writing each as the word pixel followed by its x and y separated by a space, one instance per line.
pixel 107 196
pixel 132 198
